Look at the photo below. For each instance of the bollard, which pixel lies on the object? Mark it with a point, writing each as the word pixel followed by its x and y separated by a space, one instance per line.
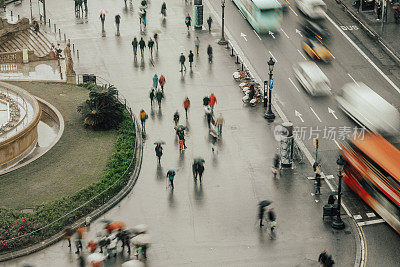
pixel 55 28
pixel 227 45
pixel 59 33
pixel 232 54
pixel 242 66
pixel 18 17
pixel 77 53
pixel 237 59
pixel 65 38
pixel 73 47
pixel 11 14
pixel 49 23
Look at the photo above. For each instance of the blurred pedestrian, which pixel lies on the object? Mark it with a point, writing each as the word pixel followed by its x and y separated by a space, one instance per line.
pixel 164 9
pixel 117 22
pixel 150 44
pixel 67 234
pixel 272 219
pixel 188 21
pixel 143 117
pixel 182 60
pixel 186 105
pixel 86 9
pixel 142 45
pixel 78 238
pixel 206 101
pixel 102 18
pixel 155 81
pixel 156 39
pixel 209 21
pixel 162 82
pixel 220 122
pixel 200 170
pixel 123 236
pixel 261 211
pixel 134 46
pixel 171 177
pixel 209 53
pixel 159 151
pixel 176 118
pixel 317 182
pixel 195 171
pixel 159 97
pixel 325 259
pixel 152 95
pixel 181 137
pixel 81 260
pixel 190 57
pixel 91 246
pixel 197 44
pixel 213 101
pixel 208 112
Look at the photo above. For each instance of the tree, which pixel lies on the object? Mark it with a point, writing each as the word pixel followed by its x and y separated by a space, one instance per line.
pixel 102 111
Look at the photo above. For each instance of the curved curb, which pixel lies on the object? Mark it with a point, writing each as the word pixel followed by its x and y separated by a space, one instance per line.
pixel 138 155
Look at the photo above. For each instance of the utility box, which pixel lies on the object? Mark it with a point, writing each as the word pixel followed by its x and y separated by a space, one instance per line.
pixel 198 14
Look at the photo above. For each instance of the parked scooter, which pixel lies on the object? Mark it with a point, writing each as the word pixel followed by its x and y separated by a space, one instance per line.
pixel 242 75
pixel 258 98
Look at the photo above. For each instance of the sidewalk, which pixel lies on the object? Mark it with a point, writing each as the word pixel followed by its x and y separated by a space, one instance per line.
pixel 213 223
pixel 388 33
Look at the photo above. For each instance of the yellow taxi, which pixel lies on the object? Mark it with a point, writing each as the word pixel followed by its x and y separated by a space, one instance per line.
pixel 316 50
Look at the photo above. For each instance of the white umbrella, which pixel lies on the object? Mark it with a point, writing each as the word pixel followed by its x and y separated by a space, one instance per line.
pixel 133 263
pixel 140 228
pixel 141 240
pixel 95 257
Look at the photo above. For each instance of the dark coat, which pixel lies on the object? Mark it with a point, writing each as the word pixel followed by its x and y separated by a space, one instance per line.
pixel 190 56
pixel 142 44
pixel 182 59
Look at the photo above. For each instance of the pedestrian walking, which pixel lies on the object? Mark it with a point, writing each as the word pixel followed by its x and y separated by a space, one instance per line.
pixel 159 97
pixel 142 45
pixel 209 21
pixel 143 117
pixel 68 234
pixel 80 7
pixel 176 118
pixel 209 53
pixel 155 81
pixel 197 44
pixel 134 46
pixel 272 220
pixel 171 177
pixel 159 151
pixel 200 170
pixel 78 238
pixel 190 57
pixel 186 105
pixel 317 182
pixel 188 21
pixel 164 9
pixel 152 95
pixel 206 101
pixel 208 115
pixel 325 259
pixel 161 80
pixel 213 101
pixel 102 18
pixel 155 36
pixel 123 236
pixel 150 44
pixel 86 9
pixel 181 137
pixel 117 22
pixel 220 122
pixel 195 169
pixel 182 60
pixel 261 211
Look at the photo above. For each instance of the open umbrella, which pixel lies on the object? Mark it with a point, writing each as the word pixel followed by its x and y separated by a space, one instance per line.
pixel 199 160
pixel 133 263
pixel 180 128
pixel 159 142
pixel 157 31
pixel 103 11
pixel 264 203
pixel 141 240
pixel 140 229
pixel 95 257
pixel 115 226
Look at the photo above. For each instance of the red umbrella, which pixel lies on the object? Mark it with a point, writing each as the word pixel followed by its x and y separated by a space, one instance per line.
pixel 115 226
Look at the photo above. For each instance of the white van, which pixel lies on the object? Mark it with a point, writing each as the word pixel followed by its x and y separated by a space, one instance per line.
pixel 369 109
pixel 311 77
pixel 314 9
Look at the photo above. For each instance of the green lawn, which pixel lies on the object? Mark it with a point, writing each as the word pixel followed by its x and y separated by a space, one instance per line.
pixel 77 160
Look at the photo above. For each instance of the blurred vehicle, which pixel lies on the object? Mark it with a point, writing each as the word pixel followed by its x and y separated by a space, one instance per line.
pixel 316 50
pixel 314 9
pixel 312 29
pixel 311 77
pixel 263 15
pixel 369 109
pixel 372 171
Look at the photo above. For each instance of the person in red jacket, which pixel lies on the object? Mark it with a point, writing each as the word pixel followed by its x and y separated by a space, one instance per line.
pixel 161 80
pixel 186 105
pixel 213 101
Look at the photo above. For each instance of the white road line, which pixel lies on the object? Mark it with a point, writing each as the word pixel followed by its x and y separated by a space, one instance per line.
pixel 315 114
pixel 285 33
pixel 257 34
pixel 294 85
pixel 353 79
pixel 336 143
pixel 242 14
pixel 371 222
pixel 357 217
pixel 364 55
pixel 293 11
pixel 301 54
pixel 273 56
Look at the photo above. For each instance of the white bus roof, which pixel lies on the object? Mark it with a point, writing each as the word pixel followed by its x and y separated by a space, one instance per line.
pixel 266 4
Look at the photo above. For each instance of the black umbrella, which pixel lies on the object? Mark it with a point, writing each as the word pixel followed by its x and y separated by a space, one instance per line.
pixel 199 160
pixel 265 203
pixel 159 142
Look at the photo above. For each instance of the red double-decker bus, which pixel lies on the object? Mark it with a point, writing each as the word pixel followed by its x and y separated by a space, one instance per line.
pixel 373 172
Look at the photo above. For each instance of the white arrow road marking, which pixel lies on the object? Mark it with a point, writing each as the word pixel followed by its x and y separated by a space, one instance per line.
pixel 273 56
pixel 284 33
pixel 353 79
pixel 332 112
pixel 337 144
pixel 298 115
pixel 243 35
pixel 299 32
pixel 315 114
pixel 293 11
pixel 257 34
pixel 294 85
pixel 272 34
pixel 301 54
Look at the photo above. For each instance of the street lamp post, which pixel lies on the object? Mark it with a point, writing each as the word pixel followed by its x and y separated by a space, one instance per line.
pixel 223 41
pixel 269 115
pixel 338 222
